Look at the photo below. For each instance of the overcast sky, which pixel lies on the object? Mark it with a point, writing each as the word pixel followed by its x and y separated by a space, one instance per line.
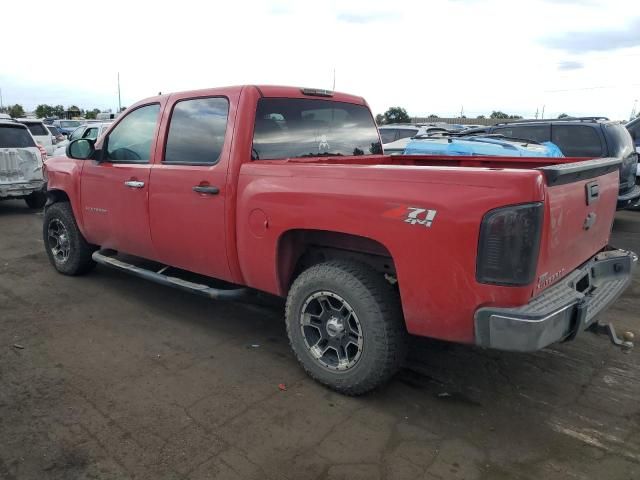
pixel 581 57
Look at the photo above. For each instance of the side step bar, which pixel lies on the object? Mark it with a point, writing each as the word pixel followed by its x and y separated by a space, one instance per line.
pixel 103 258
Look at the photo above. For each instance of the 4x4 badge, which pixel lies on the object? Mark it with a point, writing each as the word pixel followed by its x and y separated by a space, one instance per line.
pixel 413 215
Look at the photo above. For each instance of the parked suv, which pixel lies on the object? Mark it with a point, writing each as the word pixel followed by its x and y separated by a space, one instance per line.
pixel 396 137
pixel 40 132
pixel 67 126
pixel 21 161
pixel 584 137
pixel 90 130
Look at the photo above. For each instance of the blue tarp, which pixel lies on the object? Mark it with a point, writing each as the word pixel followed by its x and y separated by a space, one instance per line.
pixel 479 145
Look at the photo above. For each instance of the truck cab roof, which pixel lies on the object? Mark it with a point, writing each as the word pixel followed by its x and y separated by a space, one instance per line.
pixel 269 91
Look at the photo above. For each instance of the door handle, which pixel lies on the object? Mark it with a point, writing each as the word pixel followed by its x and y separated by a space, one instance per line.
pixel 134 184
pixel 206 189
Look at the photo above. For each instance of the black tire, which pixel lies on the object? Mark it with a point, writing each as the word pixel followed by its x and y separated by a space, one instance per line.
pixel 78 259
pixel 36 200
pixel 374 304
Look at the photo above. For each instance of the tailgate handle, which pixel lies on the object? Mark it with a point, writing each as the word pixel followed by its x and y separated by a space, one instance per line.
pixel 593 192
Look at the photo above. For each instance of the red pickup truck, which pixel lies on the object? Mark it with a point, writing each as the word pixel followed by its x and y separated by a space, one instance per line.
pixel 229 191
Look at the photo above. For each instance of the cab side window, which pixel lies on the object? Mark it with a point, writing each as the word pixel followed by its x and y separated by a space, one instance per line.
pixel 196 132
pixel 131 139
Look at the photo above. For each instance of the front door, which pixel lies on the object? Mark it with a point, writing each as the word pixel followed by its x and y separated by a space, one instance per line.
pixel 188 188
pixel 115 191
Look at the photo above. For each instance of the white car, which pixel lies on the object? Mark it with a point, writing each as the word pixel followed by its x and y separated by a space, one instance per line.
pixel 396 137
pixel 90 130
pixel 21 165
pixel 40 132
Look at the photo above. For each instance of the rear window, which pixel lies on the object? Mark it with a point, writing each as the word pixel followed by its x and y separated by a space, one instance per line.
pixel 15 136
pixel 388 135
pixel 69 123
pixel 37 129
pixel 619 140
pixel 290 128
pixel 577 140
pixel 53 130
pixel 406 133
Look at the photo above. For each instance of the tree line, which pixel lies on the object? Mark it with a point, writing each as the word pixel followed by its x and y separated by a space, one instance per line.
pixel 400 115
pixel 44 111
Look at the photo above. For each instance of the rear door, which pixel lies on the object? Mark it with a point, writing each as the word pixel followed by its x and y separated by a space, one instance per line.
pixel 115 191
pixel 188 186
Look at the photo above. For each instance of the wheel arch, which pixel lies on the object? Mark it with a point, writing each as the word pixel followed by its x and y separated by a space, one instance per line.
pixel 298 249
pixel 56 195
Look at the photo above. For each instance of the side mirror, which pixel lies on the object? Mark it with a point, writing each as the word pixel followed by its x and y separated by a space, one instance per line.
pixel 81 149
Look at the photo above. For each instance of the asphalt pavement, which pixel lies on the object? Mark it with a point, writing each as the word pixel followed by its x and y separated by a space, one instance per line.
pixel 111 377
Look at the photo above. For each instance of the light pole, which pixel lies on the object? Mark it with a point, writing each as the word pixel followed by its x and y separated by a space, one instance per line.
pixel 119 102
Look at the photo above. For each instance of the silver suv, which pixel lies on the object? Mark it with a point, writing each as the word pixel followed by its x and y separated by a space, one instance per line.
pixel 21 165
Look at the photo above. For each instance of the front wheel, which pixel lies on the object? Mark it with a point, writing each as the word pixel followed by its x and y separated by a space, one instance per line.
pixel 345 326
pixel 67 249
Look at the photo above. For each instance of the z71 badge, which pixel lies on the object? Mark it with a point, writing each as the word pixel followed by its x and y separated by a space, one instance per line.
pixel 412 215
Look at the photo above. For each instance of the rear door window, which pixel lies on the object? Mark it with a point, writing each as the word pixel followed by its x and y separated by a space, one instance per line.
pixel 197 130
pixel 537 133
pixel 15 136
pixel 577 140
pixel 312 128
pixel 37 129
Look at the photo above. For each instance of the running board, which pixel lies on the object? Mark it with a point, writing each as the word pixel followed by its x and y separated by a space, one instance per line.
pixel 158 277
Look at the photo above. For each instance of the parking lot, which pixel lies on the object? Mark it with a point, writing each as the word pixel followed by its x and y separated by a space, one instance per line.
pixel 111 377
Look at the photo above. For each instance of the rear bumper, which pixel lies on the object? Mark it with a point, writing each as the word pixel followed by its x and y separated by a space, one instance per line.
pixel 21 189
pixel 561 311
pixel 629 198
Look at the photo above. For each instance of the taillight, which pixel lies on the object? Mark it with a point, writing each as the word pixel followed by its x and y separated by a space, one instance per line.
pixel 43 153
pixel 509 245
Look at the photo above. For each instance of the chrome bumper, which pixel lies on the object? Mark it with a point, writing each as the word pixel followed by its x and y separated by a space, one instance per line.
pixel 561 311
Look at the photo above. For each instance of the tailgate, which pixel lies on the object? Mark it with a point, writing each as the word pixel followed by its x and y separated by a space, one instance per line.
pixel 580 205
pixel 18 165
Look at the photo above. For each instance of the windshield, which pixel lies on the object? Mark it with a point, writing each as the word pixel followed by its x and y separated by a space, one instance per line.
pixel 15 136
pixel 290 128
pixel 69 123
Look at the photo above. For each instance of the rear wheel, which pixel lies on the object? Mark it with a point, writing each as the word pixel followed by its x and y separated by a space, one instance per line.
pixel 36 200
pixel 345 326
pixel 67 249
